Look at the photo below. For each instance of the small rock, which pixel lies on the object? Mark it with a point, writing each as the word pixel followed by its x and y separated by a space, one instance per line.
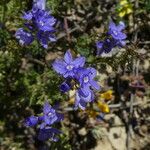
pixel 82 132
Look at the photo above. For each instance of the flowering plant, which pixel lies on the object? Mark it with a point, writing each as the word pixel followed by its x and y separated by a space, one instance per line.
pixel 39 25
pixel 49 117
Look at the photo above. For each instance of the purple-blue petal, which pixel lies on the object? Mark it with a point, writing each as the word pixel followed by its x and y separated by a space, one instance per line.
pixel 42 125
pixel 27 15
pixel 68 57
pixel 40 4
pixel 69 74
pixel 60 117
pixel 25 38
pixel 80 101
pixel 31 121
pixel 119 36
pixel 44 134
pixel 65 86
pixel 84 92
pixel 59 66
pixel 46 108
pixel 93 72
pixel 79 62
pixel 121 26
pixel 77 100
pixel 49 120
pixel 44 20
pixel 82 104
pixel 52 38
pixel 112 26
pixel 42 39
pixel 48 133
pixel 99 46
pixel 95 85
pixel 121 43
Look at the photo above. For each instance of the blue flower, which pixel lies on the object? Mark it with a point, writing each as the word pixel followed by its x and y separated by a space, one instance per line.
pixel 86 78
pixel 31 121
pixel 49 117
pixel 77 76
pixel 25 38
pixel 114 38
pixel 45 37
pixel 43 20
pixel 48 133
pixel 40 23
pixel 116 31
pixel 106 46
pixel 68 66
pixel 66 85
pixel 83 96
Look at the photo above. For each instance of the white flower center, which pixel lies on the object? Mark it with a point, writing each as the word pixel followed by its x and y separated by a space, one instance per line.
pixel 41 23
pixel 69 67
pixel 28 34
pixel 115 32
pixel 49 114
pixel 86 79
pixel 21 42
pixel 18 37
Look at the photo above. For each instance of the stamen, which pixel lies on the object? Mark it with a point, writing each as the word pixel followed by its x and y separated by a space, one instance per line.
pixel 86 79
pixel 69 67
pixel 115 32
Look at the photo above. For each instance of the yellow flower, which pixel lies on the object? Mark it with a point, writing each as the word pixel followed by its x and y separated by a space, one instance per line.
pixel 125 11
pixel 123 2
pixel 124 8
pixel 103 107
pixel 129 10
pixel 107 95
pixel 92 113
pixel 122 14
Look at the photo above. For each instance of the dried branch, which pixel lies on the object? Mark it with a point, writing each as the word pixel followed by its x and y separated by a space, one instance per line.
pixel 115 106
pixel 66 29
pixel 61 35
pixel 35 61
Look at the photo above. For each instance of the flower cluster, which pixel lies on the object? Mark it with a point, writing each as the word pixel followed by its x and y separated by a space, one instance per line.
pixel 49 117
pixel 74 70
pixel 115 37
pixel 39 25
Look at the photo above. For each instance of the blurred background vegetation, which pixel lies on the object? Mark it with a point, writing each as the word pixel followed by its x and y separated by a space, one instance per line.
pixel 27 78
